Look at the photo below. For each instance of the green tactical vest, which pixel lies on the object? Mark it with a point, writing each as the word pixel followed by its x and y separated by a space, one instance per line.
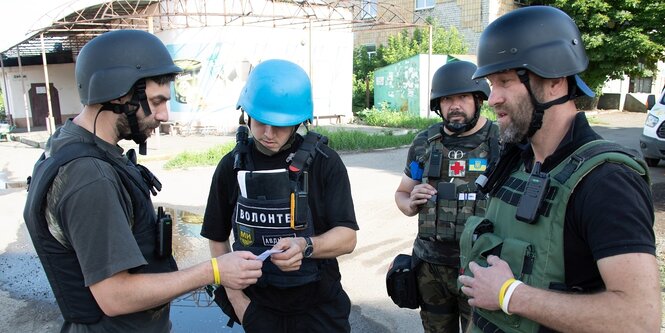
pixel 534 251
pixel 443 219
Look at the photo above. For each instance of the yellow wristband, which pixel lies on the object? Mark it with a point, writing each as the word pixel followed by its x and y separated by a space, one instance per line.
pixel 502 291
pixel 215 271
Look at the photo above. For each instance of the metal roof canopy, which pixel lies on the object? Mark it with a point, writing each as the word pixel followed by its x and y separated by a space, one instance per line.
pixel 77 27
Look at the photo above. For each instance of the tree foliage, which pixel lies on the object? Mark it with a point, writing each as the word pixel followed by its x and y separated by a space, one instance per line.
pixel 401 46
pixel 622 37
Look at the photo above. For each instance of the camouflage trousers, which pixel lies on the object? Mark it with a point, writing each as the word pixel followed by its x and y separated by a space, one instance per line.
pixel 442 304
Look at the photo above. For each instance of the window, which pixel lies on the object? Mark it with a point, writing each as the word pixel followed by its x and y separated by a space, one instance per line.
pixel 368 9
pixel 424 4
pixel 640 85
pixel 371 50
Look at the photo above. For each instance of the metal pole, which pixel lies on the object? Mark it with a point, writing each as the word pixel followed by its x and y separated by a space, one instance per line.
pixel 4 92
pixel 25 97
pixel 158 139
pixel 50 121
pixel 429 71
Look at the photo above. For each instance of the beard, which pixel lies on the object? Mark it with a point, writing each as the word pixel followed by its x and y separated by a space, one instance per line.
pixel 520 114
pixel 146 126
pixel 458 113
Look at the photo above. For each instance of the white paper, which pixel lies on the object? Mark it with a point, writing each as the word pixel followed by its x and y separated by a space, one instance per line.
pixel 263 256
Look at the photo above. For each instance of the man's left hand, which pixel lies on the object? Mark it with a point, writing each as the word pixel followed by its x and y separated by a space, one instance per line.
pixel 291 258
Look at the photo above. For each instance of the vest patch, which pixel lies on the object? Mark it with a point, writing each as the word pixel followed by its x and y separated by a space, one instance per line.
pixel 457 168
pixel 245 235
pixel 273 239
pixel 477 164
pixel 263 217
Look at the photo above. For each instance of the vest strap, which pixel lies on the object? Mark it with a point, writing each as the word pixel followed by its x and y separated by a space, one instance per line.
pixel 304 156
pixel 438 309
pixel 485 325
pixel 579 157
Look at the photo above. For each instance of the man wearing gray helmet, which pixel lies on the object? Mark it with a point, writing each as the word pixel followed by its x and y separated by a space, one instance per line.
pixel 438 185
pixel 567 243
pixel 106 253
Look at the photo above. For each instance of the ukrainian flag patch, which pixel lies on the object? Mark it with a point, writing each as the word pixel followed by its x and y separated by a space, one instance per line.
pixel 477 164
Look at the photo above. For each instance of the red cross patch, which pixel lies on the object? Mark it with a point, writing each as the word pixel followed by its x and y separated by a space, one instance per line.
pixel 456 168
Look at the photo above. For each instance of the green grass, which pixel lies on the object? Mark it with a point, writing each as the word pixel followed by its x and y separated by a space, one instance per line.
pixel 343 140
pixel 339 140
pixel 206 158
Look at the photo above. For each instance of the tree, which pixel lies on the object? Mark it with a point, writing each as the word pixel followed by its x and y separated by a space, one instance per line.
pixel 3 115
pixel 621 36
pixel 399 47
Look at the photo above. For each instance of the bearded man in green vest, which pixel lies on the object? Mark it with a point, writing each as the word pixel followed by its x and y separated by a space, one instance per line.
pixel 438 185
pixel 567 242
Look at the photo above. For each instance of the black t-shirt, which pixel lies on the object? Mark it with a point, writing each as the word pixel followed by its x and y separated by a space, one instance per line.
pixel 331 205
pixel 609 213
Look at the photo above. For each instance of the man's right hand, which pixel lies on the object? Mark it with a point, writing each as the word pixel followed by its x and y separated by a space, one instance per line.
pixel 239 269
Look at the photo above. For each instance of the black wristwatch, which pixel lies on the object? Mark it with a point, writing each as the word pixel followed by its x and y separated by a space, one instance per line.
pixel 309 249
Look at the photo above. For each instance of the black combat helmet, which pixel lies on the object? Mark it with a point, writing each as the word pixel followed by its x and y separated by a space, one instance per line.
pixel 108 66
pixel 116 63
pixel 541 39
pixel 455 78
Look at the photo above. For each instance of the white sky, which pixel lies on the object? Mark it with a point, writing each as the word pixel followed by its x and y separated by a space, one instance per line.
pixel 17 17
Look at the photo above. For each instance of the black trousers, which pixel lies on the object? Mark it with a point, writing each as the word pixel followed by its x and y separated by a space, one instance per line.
pixel 329 317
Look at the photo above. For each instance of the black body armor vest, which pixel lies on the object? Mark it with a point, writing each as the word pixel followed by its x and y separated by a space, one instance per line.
pixel 61 265
pixel 274 207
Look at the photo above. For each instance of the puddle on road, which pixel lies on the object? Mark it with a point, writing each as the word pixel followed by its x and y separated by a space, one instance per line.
pixel 195 311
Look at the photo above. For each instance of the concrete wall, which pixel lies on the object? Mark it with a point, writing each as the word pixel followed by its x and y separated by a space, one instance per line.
pixel 219 59
pixel 19 81
pixel 405 86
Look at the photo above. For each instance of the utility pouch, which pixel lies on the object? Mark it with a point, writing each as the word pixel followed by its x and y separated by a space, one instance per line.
pixel 164 234
pixel 427 219
pixel 476 243
pixel 218 294
pixel 435 158
pixel 402 281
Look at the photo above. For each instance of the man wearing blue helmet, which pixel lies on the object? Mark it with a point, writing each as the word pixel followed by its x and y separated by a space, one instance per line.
pixel 287 196
pixel 438 185
pixel 567 243
pixel 105 251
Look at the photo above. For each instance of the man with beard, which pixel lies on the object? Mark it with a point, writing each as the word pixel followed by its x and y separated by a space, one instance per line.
pixel 567 243
pixel 106 253
pixel 438 185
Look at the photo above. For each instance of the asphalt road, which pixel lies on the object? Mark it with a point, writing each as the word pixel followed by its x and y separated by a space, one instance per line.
pixel 28 304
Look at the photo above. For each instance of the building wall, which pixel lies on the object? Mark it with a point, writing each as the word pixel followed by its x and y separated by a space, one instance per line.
pixel 218 60
pixel 60 75
pixel 469 17
pixel 224 55
pixel 405 86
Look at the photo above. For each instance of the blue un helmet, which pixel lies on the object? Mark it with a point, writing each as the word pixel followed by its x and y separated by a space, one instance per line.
pixel 277 93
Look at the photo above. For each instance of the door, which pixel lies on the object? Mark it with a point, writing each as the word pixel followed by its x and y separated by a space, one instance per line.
pixel 39 104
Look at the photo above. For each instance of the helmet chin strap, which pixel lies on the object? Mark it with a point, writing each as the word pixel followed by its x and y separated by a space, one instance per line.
pixel 139 98
pixel 538 107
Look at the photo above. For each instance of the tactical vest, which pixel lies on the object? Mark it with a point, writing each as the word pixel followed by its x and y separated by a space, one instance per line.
pixel 61 265
pixel 269 212
pixel 453 173
pixel 533 251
